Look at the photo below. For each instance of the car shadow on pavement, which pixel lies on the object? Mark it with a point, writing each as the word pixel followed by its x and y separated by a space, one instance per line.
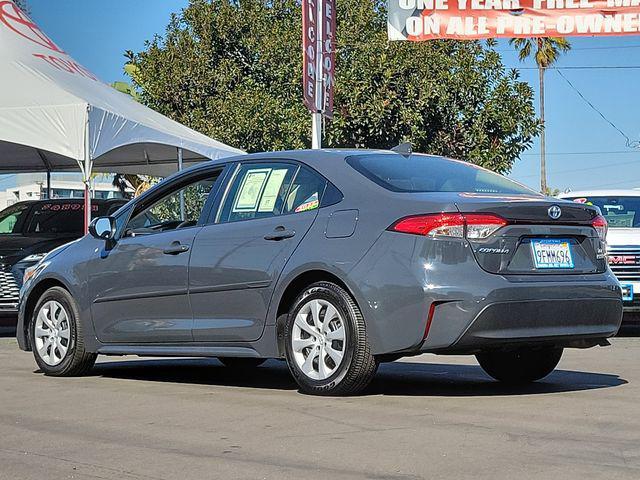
pixel 397 378
pixel 450 380
pixel 199 371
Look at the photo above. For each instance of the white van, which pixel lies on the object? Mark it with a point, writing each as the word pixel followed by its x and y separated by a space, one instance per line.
pixel 621 208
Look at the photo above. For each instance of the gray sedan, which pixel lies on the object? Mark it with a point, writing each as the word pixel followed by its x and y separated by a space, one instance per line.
pixel 335 260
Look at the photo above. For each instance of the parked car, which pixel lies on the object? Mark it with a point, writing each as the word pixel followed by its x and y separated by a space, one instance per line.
pixel 621 208
pixel 29 230
pixel 334 260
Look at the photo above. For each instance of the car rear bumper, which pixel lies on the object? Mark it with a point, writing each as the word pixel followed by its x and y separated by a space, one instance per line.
pixel 561 322
pixel 474 309
pixel 8 313
pixel 632 288
pixel 8 319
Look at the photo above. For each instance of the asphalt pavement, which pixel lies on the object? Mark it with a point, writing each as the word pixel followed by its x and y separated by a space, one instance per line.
pixel 426 417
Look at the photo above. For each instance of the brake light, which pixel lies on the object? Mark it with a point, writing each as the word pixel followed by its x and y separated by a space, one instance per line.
pixel 474 226
pixel 601 226
pixel 481 226
pixel 443 224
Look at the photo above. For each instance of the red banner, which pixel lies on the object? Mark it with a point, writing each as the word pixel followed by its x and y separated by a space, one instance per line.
pixel 309 46
pixel 318 18
pixel 417 20
pixel 328 54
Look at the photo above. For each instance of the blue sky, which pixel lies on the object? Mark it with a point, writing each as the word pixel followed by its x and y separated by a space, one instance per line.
pixel 97 33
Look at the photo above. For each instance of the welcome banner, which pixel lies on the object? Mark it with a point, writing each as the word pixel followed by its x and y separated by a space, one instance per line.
pixel 417 20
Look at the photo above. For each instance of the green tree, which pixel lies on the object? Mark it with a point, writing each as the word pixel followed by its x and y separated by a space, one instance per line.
pixel 127 88
pixel 547 51
pixel 233 71
pixel 23 5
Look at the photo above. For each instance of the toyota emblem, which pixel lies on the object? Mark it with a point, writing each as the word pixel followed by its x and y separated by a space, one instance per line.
pixel 20 23
pixel 554 212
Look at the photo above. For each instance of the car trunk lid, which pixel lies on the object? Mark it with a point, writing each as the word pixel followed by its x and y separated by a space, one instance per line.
pixel 540 231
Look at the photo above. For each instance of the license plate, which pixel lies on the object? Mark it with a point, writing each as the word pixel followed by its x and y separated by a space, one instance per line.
pixel 627 293
pixel 552 253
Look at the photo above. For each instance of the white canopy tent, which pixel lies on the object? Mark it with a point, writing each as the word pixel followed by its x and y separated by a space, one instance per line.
pixel 55 115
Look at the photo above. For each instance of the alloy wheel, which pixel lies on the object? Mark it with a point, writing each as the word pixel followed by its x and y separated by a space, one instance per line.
pixel 318 339
pixel 52 333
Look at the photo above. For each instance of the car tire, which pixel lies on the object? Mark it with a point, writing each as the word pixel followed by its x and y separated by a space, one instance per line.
pixel 57 337
pixel 326 342
pixel 241 362
pixel 520 366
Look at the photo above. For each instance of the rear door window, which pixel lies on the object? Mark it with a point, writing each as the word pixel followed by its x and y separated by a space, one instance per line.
pixel 258 190
pixel 306 192
pixel 426 173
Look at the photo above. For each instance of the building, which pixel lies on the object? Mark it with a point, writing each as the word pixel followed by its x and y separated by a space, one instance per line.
pixel 33 186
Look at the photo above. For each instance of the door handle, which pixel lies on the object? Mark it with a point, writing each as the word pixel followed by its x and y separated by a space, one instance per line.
pixel 280 233
pixel 176 248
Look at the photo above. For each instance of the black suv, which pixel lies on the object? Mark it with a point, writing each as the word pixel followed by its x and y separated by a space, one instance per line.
pixel 28 230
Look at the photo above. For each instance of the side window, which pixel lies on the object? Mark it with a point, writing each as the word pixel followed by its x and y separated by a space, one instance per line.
pixel 306 192
pixel 179 208
pixel 12 218
pixel 257 191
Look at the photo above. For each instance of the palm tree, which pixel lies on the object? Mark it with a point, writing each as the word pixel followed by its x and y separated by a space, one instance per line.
pixel 547 52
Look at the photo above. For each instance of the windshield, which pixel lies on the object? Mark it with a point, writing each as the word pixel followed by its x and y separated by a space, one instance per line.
pixel 12 218
pixel 425 173
pixel 66 218
pixel 620 212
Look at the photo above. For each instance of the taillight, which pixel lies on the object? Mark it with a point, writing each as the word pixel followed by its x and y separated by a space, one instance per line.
pixel 481 226
pixel 474 226
pixel 601 226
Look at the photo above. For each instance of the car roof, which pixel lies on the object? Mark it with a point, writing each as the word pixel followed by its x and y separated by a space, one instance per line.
pixel 601 193
pixel 95 201
pixel 306 155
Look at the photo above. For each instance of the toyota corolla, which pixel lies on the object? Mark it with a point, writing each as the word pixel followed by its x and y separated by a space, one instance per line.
pixel 335 260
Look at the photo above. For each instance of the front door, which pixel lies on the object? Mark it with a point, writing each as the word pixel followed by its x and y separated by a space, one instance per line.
pixel 236 261
pixel 139 288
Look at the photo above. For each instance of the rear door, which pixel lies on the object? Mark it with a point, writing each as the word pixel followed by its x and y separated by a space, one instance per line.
pixel 266 211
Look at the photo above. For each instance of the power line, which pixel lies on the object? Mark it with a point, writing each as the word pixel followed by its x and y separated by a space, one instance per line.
pixel 637 180
pixel 629 142
pixel 560 172
pixel 613 152
pixel 583 67
pixel 581 48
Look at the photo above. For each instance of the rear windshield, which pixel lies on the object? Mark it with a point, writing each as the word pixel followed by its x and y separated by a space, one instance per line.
pixel 426 173
pixel 60 218
pixel 620 212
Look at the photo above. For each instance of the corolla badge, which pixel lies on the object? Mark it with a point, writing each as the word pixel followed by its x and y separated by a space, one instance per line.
pixel 554 212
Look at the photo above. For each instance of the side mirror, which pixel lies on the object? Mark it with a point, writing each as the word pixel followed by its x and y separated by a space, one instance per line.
pixel 103 228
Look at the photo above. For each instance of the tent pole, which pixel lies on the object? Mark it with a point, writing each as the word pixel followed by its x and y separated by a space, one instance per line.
pixel 48 184
pixel 86 170
pixel 182 209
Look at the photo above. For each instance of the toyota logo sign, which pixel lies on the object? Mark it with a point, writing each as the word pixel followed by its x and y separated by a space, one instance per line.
pixel 554 212
pixel 16 20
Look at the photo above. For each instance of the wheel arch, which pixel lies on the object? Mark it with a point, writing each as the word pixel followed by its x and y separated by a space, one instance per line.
pixel 293 288
pixel 32 299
